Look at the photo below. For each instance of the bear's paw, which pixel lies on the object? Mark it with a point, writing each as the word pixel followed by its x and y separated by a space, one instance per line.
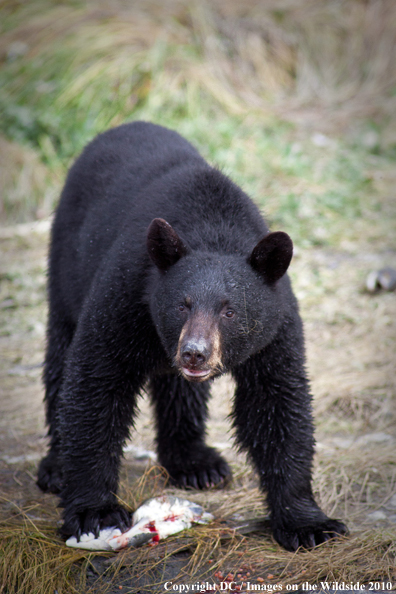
pixel 94 520
pixel 309 537
pixel 203 469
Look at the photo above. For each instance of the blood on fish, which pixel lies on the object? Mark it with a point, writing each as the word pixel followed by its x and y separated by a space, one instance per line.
pixel 172 517
pixel 151 526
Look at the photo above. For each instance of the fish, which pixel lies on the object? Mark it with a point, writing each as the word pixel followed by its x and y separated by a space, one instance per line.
pixel 156 519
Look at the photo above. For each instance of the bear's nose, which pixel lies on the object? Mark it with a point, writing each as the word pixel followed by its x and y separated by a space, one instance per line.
pixel 194 354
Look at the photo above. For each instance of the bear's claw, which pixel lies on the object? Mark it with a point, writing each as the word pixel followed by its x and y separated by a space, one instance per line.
pixel 93 521
pixel 309 537
pixel 207 472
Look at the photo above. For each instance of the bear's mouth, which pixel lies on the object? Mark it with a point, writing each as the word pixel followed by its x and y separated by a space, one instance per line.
pixel 196 374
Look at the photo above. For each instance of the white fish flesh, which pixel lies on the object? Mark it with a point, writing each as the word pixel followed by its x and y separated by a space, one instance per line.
pixel 154 520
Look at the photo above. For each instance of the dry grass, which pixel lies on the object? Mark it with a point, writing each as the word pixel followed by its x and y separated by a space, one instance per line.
pixel 34 561
pixel 360 558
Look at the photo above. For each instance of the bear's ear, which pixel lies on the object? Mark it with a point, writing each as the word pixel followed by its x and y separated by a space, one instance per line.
pixel 272 255
pixel 164 245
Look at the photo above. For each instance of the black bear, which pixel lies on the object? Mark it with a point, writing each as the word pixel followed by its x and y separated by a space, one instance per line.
pixel 162 271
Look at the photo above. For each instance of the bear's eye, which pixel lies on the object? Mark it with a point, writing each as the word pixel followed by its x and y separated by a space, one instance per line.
pixel 185 305
pixel 229 313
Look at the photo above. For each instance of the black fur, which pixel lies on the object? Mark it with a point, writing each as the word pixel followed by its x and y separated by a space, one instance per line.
pixel 162 269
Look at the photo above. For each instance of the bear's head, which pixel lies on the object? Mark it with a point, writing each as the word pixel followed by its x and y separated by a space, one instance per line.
pixel 212 311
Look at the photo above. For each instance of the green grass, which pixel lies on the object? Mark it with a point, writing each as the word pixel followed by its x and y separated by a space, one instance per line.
pixel 68 85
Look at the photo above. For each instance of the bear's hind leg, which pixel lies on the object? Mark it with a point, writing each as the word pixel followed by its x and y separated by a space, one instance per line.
pixel 181 411
pixel 60 334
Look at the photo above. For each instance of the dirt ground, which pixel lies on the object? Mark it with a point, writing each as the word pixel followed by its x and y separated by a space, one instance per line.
pixel 351 342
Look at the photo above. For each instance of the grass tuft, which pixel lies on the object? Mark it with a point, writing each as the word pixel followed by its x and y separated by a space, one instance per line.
pixel 33 560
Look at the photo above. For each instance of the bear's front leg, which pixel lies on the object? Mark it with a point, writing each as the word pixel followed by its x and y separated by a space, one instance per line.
pixel 273 421
pixel 95 410
pixel 181 411
pixel 94 418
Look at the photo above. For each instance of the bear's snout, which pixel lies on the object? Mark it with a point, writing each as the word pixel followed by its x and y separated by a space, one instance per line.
pixel 194 354
pixel 198 354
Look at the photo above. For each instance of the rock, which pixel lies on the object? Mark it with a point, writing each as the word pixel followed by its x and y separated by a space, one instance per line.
pixel 381 279
pixel 376 516
pixel 140 453
pixel 378 437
